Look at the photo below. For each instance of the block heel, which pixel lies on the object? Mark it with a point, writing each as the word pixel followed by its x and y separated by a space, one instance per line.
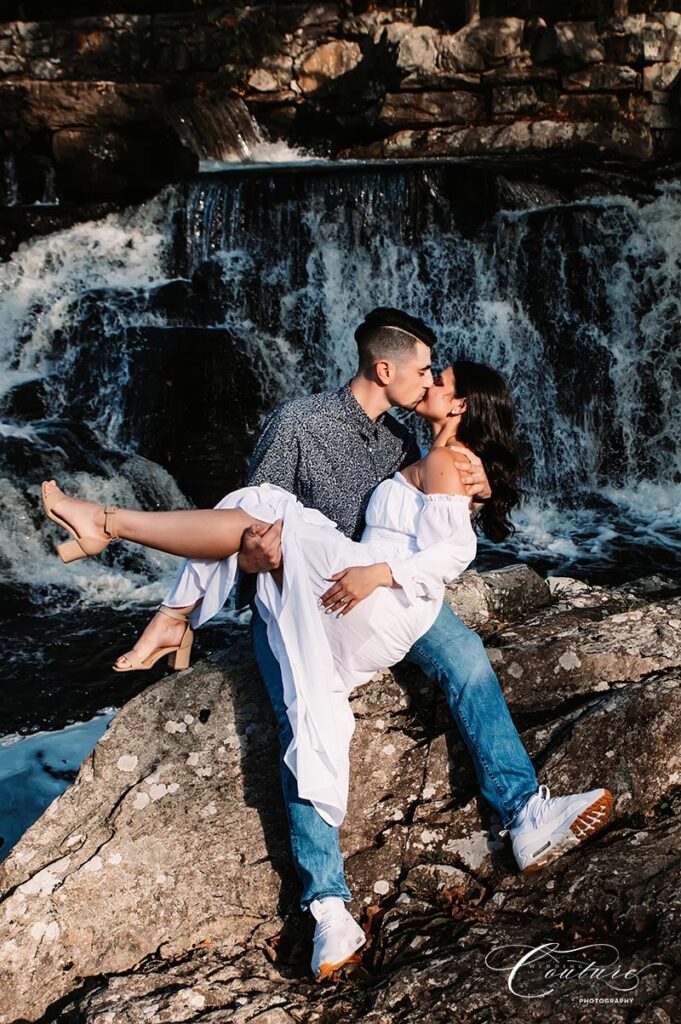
pixel 178 657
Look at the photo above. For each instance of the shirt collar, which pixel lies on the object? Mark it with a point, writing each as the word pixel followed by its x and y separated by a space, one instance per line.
pixel 355 413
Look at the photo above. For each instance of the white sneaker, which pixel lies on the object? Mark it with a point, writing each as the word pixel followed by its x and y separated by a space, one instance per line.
pixel 337 936
pixel 549 826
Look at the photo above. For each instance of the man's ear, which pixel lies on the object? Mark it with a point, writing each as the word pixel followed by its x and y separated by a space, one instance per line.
pixel 384 370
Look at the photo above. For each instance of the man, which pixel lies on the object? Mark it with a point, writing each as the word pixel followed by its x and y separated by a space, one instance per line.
pixel 331 450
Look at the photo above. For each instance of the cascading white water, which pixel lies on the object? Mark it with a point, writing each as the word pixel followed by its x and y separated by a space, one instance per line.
pixel 577 304
pixel 222 131
pixel 44 280
pixel 42 288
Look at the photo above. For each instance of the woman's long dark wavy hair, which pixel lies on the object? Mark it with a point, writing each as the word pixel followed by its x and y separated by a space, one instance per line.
pixel 488 428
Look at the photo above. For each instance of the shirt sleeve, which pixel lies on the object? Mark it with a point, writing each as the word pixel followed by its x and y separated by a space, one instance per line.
pixel 277 454
pixel 447 545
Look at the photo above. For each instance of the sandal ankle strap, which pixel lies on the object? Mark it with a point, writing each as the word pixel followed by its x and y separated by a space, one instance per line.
pixel 110 522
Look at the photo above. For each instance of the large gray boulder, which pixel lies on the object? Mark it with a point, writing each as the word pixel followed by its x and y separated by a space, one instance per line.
pixel 159 886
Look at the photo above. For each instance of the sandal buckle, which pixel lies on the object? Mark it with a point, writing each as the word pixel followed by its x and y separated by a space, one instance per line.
pixel 109 510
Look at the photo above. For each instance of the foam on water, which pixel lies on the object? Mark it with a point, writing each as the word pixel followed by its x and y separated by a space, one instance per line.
pixel 262 153
pixel 578 304
pixel 41 288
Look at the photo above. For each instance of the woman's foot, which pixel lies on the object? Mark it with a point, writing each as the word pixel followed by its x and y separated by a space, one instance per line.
pixel 84 517
pixel 162 631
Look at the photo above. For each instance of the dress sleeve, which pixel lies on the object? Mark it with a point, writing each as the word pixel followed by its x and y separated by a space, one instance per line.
pixel 447 544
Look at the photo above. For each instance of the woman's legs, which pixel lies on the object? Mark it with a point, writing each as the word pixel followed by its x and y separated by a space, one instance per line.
pixel 162 631
pixel 190 533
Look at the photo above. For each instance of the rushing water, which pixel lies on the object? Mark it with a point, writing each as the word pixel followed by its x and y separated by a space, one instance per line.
pixel 139 353
pixel 578 304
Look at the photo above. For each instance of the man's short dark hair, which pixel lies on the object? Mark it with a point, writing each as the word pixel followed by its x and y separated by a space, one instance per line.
pixel 376 340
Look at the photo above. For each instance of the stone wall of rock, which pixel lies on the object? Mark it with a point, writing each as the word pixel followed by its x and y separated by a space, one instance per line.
pixel 159 886
pixel 94 107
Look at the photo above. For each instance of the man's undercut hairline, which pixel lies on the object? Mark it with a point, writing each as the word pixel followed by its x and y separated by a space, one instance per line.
pixel 393 327
pixel 396 355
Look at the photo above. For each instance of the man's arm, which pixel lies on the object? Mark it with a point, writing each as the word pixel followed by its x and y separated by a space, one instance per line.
pixel 277 453
pixel 473 474
pixel 475 479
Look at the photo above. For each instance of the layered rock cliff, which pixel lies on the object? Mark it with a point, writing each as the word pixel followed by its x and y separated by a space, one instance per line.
pixel 121 103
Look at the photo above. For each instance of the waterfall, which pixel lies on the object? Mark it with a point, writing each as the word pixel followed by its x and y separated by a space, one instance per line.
pixel 222 131
pixel 10 190
pixel 55 421
pixel 577 303
pixel 139 353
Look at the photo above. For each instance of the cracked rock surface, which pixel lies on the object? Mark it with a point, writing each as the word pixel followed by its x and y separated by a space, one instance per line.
pixel 159 886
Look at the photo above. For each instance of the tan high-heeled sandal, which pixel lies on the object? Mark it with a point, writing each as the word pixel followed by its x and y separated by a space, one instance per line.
pixel 79 547
pixel 178 656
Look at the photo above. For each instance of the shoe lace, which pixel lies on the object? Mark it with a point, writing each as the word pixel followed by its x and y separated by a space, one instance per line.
pixel 542 805
pixel 540 809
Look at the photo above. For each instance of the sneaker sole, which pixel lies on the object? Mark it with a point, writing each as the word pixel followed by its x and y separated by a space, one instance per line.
pixel 326 970
pixel 585 825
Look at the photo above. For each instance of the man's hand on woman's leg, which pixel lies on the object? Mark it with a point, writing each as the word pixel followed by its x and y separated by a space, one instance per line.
pixel 260 549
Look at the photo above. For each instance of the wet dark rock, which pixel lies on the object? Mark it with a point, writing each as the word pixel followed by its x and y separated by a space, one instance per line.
pixel 588 139
pixel 117 883
pixel 205 445
pixel 27 401
pixel 99 164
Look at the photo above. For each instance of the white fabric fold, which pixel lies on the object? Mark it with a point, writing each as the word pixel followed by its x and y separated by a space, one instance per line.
pixel 426 539
pixel 446 545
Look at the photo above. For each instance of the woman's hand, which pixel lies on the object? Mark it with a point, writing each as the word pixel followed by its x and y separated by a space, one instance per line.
pixel 354 584
pixel 472 472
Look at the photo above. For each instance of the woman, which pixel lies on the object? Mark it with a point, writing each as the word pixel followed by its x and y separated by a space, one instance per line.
pixel 418 537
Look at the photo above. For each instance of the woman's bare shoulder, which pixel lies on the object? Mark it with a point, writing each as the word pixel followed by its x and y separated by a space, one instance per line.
pixel 441 456
pixel 439 466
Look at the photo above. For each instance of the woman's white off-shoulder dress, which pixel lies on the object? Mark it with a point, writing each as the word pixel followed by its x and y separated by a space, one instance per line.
pixel 427 540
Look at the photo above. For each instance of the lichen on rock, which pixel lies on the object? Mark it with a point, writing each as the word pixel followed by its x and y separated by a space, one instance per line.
pixel 172 890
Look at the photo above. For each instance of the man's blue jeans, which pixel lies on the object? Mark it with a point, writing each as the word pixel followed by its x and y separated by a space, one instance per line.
pixel 452 656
